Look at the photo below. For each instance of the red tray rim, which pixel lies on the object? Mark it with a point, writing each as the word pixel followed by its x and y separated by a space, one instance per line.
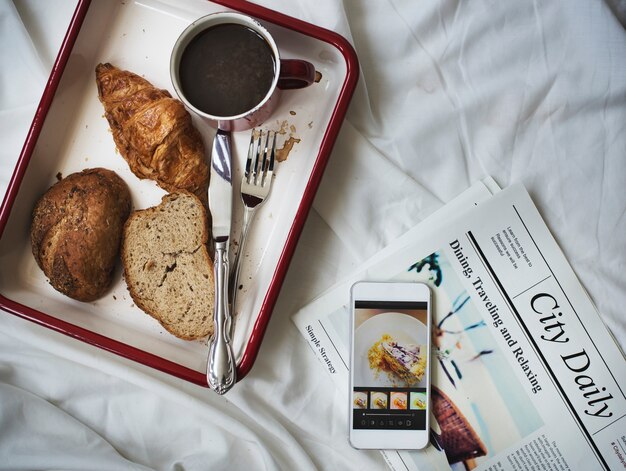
pixel 328 141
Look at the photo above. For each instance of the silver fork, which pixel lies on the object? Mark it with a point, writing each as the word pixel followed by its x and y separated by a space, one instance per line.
pixel 255 186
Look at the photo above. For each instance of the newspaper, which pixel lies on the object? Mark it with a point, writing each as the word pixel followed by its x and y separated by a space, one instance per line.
pixel 525 375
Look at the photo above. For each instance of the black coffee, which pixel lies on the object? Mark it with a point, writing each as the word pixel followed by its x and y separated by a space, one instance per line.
pixel 226 70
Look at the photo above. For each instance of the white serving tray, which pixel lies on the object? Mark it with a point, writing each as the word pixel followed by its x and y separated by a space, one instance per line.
pixel 73 135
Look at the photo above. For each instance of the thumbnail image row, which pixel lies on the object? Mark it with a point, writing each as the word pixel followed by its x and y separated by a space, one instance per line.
pixel 392 400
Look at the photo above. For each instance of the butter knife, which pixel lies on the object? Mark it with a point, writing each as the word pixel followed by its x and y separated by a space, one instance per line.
pixel 221 369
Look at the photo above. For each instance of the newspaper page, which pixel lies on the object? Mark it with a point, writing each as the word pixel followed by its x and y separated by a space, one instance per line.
pixel 525 375
pixel 322 316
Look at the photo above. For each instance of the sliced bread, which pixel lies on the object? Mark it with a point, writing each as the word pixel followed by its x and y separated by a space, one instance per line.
pixel 167 267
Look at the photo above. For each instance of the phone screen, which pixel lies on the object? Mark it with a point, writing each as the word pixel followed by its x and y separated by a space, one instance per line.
pixel 390 365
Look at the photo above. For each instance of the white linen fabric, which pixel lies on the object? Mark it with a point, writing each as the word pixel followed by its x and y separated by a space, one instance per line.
pixel 449 92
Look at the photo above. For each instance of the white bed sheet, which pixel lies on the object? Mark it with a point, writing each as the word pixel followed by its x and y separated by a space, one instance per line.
pixel 449 92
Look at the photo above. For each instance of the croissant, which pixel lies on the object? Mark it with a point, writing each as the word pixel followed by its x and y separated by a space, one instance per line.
pixel 153 131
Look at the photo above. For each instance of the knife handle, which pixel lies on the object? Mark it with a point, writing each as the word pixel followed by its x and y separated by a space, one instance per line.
pixel 221 371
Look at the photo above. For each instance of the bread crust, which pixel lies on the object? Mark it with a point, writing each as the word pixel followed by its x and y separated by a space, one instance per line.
pixel 76 231
pixel 137 221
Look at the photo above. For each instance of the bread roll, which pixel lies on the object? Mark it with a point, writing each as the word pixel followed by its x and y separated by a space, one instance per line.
pixel 167 267
pixel 76 232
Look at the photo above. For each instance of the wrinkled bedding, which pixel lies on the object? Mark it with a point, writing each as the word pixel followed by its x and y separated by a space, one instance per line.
pixel 449 92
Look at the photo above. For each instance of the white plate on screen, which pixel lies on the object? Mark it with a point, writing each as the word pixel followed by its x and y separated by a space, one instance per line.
pixel 402 328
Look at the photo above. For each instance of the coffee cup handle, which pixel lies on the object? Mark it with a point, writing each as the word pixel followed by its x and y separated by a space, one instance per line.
pixel 295 73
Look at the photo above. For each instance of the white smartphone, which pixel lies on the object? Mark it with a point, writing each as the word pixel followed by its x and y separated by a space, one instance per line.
pixel 390 365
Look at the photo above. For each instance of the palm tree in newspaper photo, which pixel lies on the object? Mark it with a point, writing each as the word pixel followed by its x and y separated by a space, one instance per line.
pixel 440 330
pixel 479 404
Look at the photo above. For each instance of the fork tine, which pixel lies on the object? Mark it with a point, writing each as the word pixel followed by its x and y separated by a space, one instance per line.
pixel 273 154
pixel 249 160
pixel 265 157
pixel 256 158
pixel 268 165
